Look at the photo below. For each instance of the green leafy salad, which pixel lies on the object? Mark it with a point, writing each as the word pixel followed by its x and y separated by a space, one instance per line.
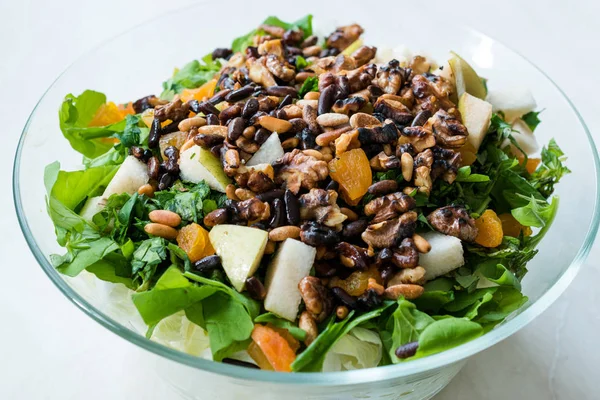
pixel 303 204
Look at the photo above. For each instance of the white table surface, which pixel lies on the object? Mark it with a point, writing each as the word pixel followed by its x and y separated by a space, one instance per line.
pixel 51 350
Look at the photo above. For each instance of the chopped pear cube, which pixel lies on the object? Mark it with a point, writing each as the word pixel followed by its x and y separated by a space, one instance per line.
pixel 131 175
pixel 268 152
pixel 446 255
pixel 476 115
pixel 92 206
pixel 197 164
pixel 513 102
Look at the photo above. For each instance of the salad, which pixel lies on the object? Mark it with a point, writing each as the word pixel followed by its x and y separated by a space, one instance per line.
pixel 310 204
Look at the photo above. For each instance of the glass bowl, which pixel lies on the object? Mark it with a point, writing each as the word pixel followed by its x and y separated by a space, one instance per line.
pixel 135 63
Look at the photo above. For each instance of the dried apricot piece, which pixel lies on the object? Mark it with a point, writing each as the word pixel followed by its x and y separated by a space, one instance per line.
pixel 127 109
pixel 352 171
pixel 148 117
pixel 358 281
pixel 200 93
pixel 292 341
pixel 192 240
pixel 512 227
pixel 275 348
pixel 107 114
pixel 209 250
pixel 532 163
pixel 489 228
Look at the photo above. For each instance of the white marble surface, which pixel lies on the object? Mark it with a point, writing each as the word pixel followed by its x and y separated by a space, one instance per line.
pixel 51 350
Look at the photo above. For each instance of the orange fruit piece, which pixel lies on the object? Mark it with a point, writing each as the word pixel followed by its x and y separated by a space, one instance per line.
pixel 489 227
pixel 148 117
pixel 259 357
pixel 275 348
pixel 358 281
pixel 468 154
pixel 532 163
pixel 193 240
pixel 292 341
pixel 106 114
pixel 201 93
pixel 127 109
pixel 512 227
pixel 352 171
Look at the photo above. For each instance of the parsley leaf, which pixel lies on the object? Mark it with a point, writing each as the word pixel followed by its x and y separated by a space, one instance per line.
pixel 531 119
pixel 311 84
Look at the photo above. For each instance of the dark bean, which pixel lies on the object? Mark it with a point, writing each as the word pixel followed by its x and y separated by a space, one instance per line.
pixel 325 270
pixel 206 108
pixel 407 350
pixel 235 129
pixel 369 300
pixel 147 155
pixel 239 363
pixel 252 52
pixel 271 195
pixel 384 255
pixel 221 52
pixel 292 36
pixel 171 166
pixel 155 132
pixel 215 217
pixel 386 273
pixel 293 52
pixel 165 181
pixel 326 99
pixel 239 94
pixel 375 90
pixel 282 91
pixel 212 119
pixel 145 103
pixel 230 113
pixel 255 288
pixel 277 214
pixel 421 118
pixel 333 185
pixel 219 97
pixel 216 150
pixel 343 87
pixel 355 228
pixel 307 139
pixel 250 108
pixel 281 114
pixel 287 100
pixel 315 234
pixel 208 140
pixel 344 297
pixel 254 119
pixel 172 127
pixel 137 152
pixel 298 124
pixel 274 113
pixel 383 187
pixel 153 168
pixel 309 41
pixel 207 263
pixel 172 152
pixel 292 206
pixel 261 135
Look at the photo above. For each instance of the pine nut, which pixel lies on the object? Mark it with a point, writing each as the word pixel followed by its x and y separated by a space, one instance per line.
pixel 303 103
pixel 160 230
pixel 373 285
pixel 312 96
pixel 302 76
pixel 341 312
pixel 165 217
pixel 146 190
pixel 313 153
pixel 290 143
pixel 352 216
pixel 422 245
pixel 409 291
pixel 230 192
pixel 249 132
pixel 284 232
pixel 325 138
pixel 274 124
pixel 407 163
pixel 363 120
pixel 244 194
pixel 190 143
pixel 213 130
pixel 189 123
pixel 332 119
pixel 270 247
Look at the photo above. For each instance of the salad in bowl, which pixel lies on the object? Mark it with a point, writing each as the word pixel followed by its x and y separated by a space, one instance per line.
pixel 299 203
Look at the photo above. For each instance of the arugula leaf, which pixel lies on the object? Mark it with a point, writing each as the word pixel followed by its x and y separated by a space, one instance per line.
pixel 445 334
pixel 311 84
pixel 531 119
pixel 106 270
pixel 72 188
pixel 146 258
pixel 551 170
pixel 75 114
pixel 535 213
pixel 464 175
pixel 87 254
pixel 274 320
pixel 192 75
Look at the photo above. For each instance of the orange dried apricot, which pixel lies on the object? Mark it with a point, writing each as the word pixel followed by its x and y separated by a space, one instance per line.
pixel 259 357
pixel 106 114
pixel 468 154
pixel 532 163
pixel 200 93
pixel 292 341
pixel 148 117
pixel 193 239
pixel 352 171
pixel 275 348
pixel 127 109
pixel 512 227
pixel 489 227
pixel 356 284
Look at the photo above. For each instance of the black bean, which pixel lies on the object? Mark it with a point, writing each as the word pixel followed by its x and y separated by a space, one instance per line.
pixel 235 129
pixel 292 206
pixel 273 113
pixel 216 217
pixel 155 132
pixel 207 263
pixel 355 228
pixel 315 234
pixel 216 150
pixel 309 41
pixel 281 114
pixel 165 182
pixel 292 36
pixel 218 97
pixel 333 185
pixel 326 99
pixel 287 100
pixel 325 270
pixel 282 91
pixel 255 288
pixel 153 168
pixel 147 155
pixel 212 119
pixel 206 108
pixel 421 118
pixel 298 124
pixel 239 363
pixel 384 255
pixel 250 108
pixel 144 103
pixel 171 166
pixel 230 113
pixel 375 91
pixel 407 350
pixel 277 214
pixel 271 195
pixel 383 187
pixel 137 152
pixel 252 52
pixel 221 52
pixel 369 300
pixel 344 297
pixel 261 135
pixel 307 139
pixel 172 127
pixel 343 87
pixel 172 152
pixel 387 272
pixel 208 140
pixel 239 94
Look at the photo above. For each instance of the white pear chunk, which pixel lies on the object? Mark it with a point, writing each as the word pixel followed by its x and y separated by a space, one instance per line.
pixel 268 152
pixel 240 248
pixel 197 164
pixel 131 175
pixel 291 263
pixel 92 206
pixel 476 115
pixel 524 138
pixel 513 102
pixel 446 255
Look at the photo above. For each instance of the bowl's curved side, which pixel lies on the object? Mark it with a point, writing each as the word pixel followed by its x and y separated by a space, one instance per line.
pixel 324 379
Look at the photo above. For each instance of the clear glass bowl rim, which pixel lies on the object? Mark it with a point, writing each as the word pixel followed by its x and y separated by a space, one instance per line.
pixel 327 378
